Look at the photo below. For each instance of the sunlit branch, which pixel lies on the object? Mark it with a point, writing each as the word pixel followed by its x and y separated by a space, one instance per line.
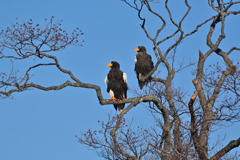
pixel 231 145
pixel 232 49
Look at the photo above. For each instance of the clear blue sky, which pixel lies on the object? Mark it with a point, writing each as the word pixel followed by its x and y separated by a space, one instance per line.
pixel 37 125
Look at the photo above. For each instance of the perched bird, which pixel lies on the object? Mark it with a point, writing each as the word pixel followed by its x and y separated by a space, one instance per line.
pixel 143 65
pixel 116 81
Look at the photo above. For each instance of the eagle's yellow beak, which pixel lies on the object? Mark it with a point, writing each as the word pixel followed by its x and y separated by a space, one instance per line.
pixel 109 65
pixel 137 49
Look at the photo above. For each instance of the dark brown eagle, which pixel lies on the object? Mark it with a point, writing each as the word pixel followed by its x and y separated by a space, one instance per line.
pixel 143 65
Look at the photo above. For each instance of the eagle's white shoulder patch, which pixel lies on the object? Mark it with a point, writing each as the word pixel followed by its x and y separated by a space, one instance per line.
pixel 124 77
pixel 106 79
pixel 135 59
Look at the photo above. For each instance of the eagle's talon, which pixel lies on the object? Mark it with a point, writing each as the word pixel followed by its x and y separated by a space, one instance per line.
pixel 121 100
pixel 113 98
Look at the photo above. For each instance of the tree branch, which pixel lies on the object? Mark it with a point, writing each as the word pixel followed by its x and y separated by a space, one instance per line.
pixel 231 145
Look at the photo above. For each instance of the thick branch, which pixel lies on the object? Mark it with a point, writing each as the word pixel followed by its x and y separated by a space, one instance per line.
pixel 194 130
pixel 193 118
pixel 198 80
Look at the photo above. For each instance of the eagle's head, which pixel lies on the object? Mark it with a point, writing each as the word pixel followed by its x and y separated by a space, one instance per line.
pixel 114 64
pixel 141 49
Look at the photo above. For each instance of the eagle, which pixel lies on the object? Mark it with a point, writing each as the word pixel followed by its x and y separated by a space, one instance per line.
pixel 116 81
pixel 143 65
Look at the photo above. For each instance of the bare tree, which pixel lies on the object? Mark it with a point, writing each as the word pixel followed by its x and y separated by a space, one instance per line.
pixel 214 102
